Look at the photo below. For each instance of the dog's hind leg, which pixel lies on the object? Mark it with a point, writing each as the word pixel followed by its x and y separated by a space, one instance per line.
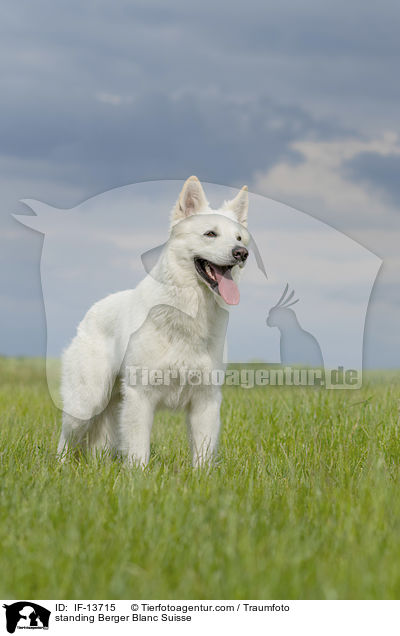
pixel 103 433
pixel 94 435
pixel 63 446
pixel 88 390
pixel 74 435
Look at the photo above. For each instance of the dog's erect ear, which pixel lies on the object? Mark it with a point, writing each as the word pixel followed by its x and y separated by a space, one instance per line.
pixel 190 201
pixel 239 206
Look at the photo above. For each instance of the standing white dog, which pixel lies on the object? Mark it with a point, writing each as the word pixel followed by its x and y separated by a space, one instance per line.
pixel 173 321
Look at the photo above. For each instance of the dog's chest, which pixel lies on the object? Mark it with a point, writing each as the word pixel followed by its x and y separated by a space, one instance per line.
pixel 175 354
pixel 172 349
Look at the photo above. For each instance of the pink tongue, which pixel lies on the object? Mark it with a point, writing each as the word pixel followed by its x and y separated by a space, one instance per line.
pixel 227 287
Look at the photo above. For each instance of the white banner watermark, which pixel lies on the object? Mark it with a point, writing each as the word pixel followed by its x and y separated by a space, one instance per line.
pixel 195 616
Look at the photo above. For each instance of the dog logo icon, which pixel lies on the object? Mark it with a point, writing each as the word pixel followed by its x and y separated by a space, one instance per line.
pixel 26 615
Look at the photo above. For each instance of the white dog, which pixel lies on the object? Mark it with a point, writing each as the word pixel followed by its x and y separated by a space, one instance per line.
pixel 174 320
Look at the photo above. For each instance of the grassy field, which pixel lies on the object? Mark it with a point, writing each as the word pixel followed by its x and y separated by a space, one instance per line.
pixel 304 501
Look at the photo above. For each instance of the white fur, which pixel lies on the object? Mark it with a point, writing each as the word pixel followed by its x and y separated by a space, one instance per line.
pixel 172 320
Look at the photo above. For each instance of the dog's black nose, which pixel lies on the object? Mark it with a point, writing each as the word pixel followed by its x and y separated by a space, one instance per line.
pixel 240 253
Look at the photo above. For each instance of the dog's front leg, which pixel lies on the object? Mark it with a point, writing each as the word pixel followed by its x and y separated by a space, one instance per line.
pixel 204 425
pixel 136 419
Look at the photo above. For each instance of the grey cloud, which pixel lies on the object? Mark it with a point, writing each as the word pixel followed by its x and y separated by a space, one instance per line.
pixel 158 136
pixel 382 172
pixel 341 56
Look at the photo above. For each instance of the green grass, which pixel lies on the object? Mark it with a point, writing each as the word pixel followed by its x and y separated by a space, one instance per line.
pixel 303 502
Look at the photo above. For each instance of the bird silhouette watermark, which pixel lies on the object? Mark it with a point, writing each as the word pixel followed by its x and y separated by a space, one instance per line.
pixel 297 346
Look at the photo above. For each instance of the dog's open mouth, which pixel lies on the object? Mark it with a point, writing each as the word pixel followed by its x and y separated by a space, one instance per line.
pixel 219 279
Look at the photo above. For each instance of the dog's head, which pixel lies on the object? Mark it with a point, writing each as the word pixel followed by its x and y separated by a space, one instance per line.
pixel 209 247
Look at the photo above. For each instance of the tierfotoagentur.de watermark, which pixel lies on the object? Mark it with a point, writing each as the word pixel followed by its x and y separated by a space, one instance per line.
pixel 246 377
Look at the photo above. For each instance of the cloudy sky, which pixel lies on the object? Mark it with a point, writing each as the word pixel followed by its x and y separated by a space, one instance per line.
pixel 297 99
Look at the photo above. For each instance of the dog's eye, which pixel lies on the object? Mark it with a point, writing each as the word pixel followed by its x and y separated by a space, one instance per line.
pixel 210 233
pixel 238 238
